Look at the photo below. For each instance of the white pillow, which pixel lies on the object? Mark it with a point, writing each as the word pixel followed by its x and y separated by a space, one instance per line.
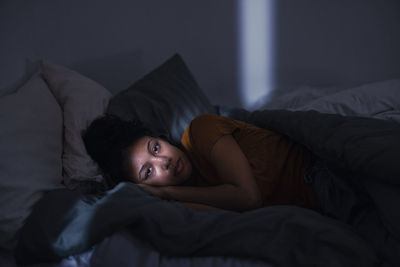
pixel 379 100
pixel 30 153
pixel 82 100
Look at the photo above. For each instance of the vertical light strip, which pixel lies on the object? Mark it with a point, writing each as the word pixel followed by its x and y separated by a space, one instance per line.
pixel 255 50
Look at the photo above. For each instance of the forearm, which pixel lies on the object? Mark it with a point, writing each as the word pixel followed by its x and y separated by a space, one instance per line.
pixel 224 196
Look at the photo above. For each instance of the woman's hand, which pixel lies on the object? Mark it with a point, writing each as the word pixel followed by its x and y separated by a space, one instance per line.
pixel 158 191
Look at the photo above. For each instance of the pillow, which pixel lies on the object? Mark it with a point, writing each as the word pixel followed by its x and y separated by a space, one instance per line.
pixel 379 100
pixel 30 153
pixel 299 97
pixel 165 100
pixel 81 100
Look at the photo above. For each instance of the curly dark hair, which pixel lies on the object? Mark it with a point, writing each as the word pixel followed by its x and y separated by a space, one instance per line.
pixel 107 139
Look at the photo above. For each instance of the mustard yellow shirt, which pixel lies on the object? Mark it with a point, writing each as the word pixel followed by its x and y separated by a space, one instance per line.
pixel 278 164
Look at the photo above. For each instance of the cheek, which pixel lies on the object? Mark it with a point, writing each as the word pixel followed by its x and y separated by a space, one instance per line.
pixel 162 177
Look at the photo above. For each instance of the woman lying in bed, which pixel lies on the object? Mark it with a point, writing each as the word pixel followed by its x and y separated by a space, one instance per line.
pixel 220 164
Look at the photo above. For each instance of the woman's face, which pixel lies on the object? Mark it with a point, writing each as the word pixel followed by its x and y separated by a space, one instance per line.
pixel 156 162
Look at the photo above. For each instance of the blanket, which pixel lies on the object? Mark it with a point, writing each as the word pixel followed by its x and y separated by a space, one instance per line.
pixel 65 222
pixel 278 235
pixel 363 158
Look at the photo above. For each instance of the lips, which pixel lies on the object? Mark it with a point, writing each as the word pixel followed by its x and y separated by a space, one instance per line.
pixel 178 166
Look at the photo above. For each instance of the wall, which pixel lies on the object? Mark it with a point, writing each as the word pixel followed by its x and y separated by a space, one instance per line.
pixel 117 42
pixel 317 42
pixel 324 42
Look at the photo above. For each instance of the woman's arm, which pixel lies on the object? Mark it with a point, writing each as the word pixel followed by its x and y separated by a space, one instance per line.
pixel 226 196
pixel 239 191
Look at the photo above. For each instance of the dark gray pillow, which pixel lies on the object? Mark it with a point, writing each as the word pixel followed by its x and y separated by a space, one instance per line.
pixel 165 100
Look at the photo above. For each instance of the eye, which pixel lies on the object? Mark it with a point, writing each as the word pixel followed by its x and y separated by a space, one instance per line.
pixel 156 148
pixel 148 172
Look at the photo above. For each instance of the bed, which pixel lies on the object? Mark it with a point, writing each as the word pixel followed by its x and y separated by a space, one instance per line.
pixel 54 215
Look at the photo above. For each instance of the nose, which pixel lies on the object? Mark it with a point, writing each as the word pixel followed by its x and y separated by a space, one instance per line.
pixel 165 162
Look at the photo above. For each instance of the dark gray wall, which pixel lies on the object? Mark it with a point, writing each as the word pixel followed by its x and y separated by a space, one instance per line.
pixel 318 42
pixel 116 42
pixel 325 42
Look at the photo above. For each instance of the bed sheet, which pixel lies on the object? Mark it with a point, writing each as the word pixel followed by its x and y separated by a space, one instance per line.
pixel 81 260
pixel 122 249
pixel 378 100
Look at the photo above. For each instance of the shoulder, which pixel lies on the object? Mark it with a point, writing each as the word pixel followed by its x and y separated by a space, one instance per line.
pixel 204 131
pixel 204 121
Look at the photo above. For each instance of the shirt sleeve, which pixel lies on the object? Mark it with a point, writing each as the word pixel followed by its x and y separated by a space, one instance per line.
pixel 204 131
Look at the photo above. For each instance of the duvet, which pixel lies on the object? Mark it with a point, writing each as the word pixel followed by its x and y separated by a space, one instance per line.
pixel 361 152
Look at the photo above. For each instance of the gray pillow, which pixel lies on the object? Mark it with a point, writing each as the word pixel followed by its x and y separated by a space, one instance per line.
pixel 81 100
pixel 165 100
pixel 30 154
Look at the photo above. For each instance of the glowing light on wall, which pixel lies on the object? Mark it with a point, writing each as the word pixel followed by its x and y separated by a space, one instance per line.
pixel 256 18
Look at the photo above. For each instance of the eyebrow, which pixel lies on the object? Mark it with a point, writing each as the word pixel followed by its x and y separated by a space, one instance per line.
pixel 142 168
